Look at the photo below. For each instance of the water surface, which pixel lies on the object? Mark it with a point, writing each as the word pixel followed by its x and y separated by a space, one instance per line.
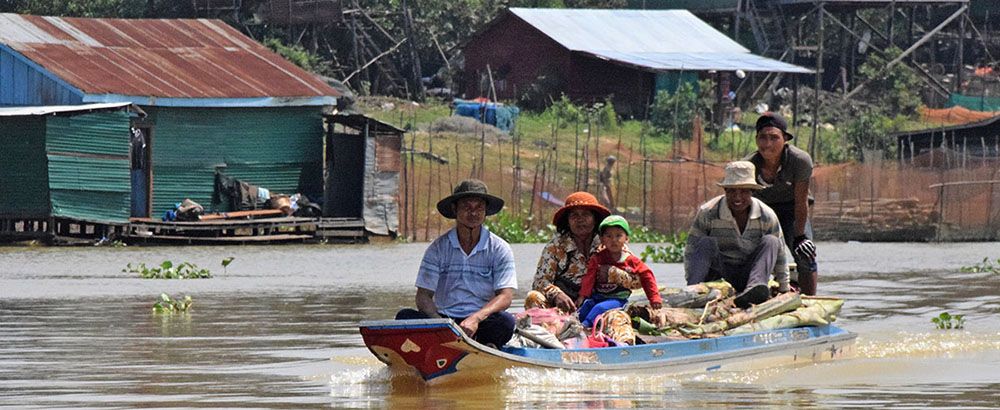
pixel 277 329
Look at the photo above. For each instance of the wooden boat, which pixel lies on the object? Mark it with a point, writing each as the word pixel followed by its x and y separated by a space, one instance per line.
pixel 439 352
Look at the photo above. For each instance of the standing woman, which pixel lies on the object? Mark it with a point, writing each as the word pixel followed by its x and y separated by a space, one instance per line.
pixel 564 260
pixel 785 170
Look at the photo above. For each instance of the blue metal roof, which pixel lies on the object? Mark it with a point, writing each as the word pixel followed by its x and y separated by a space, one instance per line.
pixel 657 40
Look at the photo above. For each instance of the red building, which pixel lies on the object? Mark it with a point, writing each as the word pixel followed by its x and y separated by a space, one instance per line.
pixel 592 54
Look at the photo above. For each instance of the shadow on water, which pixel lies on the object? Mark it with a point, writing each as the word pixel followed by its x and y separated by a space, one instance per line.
pixel 278 330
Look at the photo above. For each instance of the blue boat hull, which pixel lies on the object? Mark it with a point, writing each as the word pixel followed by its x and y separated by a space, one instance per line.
pixel 437 350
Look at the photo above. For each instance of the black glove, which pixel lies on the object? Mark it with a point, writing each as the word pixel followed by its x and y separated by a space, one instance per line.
pixel 805 247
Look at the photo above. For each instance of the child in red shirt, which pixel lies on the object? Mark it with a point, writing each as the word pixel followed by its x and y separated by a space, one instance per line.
pixel 598 295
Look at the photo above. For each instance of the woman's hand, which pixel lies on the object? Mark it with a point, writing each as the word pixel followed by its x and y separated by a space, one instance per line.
pixel 565 303
pixel 602 274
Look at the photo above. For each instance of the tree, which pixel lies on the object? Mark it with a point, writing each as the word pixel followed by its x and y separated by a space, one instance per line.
pixel 895 90
pixel 678 110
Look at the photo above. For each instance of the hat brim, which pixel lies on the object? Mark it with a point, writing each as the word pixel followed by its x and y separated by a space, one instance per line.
pixel 755 187
pixel 445 208
pixel 600 212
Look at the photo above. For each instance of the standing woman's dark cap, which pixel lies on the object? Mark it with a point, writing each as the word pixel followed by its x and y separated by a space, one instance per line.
pixel 773 119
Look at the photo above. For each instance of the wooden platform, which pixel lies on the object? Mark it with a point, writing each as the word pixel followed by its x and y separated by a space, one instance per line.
pixel 246 231
pixel 263 230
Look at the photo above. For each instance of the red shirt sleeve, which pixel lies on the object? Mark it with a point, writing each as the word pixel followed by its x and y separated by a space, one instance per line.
pixel 646 277
pixel 587 284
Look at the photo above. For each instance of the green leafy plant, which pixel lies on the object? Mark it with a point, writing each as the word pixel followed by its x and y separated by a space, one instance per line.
pixel 167 270
pixel 166 305
pixel 985 266
pixel 948 321
pixel 671 252
pixel 675 113
pixel 514 229
pixel 643 234
pixel 226 262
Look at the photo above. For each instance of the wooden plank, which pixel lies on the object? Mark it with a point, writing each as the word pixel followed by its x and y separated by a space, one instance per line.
pixel 241 214
pixel 223 239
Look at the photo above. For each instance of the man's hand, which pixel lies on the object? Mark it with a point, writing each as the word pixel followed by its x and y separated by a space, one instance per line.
pixel 470 325
pixel 655 305
pixel 805 247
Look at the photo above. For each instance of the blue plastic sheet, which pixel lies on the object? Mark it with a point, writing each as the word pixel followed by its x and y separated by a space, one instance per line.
pixel 497 115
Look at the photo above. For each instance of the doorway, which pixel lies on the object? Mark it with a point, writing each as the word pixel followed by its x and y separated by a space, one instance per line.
pixel 140 159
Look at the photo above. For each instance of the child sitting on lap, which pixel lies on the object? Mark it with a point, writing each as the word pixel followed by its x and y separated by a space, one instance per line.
pixel 599 291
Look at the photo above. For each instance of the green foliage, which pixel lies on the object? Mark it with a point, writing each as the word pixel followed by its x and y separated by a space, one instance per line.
pixel 948 321
pixel 100 8
pixel 565 113
pixel 870 131
pixel 677 111
pixel 167 270
pixel 896 90
pixel 166 305
pixel 671 252
pixel 515 229
pixel 226 262
pixel 299 56
pixel 603 114
pixel 643 234
pixel 986 266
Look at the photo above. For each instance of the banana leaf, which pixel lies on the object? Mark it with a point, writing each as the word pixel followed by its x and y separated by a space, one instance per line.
pixel 777 305
pixel 814 312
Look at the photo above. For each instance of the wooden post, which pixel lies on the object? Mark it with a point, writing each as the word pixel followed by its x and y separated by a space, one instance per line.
pixel 818 81
pixel 961 52
pixel 644 162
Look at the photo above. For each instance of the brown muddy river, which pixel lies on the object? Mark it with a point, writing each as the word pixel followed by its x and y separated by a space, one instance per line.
pixel 277 329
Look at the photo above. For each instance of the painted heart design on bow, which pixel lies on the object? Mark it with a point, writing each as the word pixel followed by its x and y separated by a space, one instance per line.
pixel 409 347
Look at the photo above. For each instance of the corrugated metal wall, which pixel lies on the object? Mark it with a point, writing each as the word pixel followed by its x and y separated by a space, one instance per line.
pixel 23 178
pixel 88 162
pixel 275 148
pixel 382 161
pixel 21 84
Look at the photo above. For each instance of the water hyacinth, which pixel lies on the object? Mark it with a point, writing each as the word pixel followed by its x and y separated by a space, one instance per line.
pixel 516 229
pixel 166 305
pixel 671 252
pixel 167 270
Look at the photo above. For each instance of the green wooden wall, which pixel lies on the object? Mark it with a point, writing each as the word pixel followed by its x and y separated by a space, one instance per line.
pixel 23 176
pixel 88 166
pixel 275 148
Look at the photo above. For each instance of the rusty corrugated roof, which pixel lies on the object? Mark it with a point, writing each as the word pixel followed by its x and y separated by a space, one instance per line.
pixel 203 59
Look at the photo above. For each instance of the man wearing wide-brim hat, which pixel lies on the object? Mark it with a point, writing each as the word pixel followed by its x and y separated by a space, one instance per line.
pixel 468 273
pixel 738 238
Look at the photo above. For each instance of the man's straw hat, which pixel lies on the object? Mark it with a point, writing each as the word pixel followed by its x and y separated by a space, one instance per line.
pixel 740 174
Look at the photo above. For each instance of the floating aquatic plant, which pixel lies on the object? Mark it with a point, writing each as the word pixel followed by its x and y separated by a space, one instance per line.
pixel 948 321
pixel 512 228
pixel 985 266
pixel 672 252
pixel 166 305
pixel 167 270
pixel 225 264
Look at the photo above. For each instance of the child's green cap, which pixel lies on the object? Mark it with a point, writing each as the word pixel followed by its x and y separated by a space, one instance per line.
pixel 615 220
